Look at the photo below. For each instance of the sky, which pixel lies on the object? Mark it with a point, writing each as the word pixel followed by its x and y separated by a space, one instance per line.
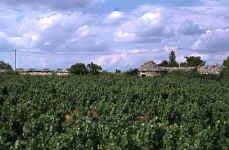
pixel 115 34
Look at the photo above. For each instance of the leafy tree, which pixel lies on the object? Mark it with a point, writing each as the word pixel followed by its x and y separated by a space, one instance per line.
pixel 194 61
pixel 225 72
pixel 79 69
pixel 5 66
pixel 94 68
pixel 172 60
pixel 164 63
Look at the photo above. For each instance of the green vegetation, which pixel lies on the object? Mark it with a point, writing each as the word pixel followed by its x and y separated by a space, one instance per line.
pixel 5 66
pixel 132 72
pixel 164 63
pixel 94 68
pixel 225 72
pixel 172 60
pixel 193 61
pixel 118 71
pixel 79 69
pixel 82 69
pixel 113 112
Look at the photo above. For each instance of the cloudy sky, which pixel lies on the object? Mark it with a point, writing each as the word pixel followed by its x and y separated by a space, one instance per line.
pixel 119 34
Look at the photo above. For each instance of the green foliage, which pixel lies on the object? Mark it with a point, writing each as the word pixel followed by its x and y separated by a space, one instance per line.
pixel 172 60
pixel 79 69
pixel 225 72
pixel 94 68
pixel 193 61
pixel 117 71
pixel 184 64
pixel 226 63
pixel 164 63
pixel 110 112
pixel 132 72
pixel 5 66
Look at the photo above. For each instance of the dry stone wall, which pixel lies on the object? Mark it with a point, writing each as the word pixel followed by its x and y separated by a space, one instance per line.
pixel 216 70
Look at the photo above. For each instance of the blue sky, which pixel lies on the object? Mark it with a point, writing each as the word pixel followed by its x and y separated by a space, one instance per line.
pixel 114 34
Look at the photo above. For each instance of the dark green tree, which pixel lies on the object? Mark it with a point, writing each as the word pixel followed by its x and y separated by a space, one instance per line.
pixel 164 63
pixel 5 66
pixel 225 72
pixel 172 60
pixel 79 69
pixel 194 61
pixel 94 68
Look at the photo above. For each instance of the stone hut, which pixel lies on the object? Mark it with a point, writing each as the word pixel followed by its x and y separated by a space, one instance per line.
pixel 149 69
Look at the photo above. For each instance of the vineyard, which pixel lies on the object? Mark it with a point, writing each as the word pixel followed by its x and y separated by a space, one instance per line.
pixel 113 112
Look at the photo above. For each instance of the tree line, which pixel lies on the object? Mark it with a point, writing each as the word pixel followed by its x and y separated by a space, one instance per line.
pixel 191 61
pixel 82 69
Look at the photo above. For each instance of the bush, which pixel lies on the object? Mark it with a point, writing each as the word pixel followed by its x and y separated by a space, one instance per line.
pixel 194 61
pixel 132 72
pixel 5 66
pixel 79 69
pixel 94 68
pixel 164 63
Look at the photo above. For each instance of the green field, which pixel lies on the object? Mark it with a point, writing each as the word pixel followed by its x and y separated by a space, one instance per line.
pixel 113 112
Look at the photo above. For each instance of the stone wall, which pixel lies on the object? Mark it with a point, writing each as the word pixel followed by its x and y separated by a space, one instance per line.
pixel 215 70
pixel 43 73
pixel 2 71
pixel 172 69
pixel 149 74
pixel 161 70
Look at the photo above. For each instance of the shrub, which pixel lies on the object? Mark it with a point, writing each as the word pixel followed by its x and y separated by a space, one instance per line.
pixel 79 69
pixel 132 72
pixel 94 68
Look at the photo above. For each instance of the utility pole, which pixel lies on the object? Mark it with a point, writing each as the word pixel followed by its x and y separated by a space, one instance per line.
pixel 15 67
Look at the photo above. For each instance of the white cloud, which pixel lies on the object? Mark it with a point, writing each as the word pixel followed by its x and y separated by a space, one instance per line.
pixel 115 15
pixel 140 34
pixel 213 41
pixel 83 30
pixel 3 35
pixel 48 21
pixel 150 18
pixel 121 36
